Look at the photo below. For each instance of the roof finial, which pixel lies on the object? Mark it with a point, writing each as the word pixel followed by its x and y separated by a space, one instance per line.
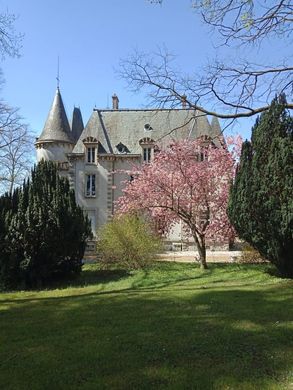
pixel 57 78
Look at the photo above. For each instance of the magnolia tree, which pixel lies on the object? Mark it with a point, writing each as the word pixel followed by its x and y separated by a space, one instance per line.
pixel 189 181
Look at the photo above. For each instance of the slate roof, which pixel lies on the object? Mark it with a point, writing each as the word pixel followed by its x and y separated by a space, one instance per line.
pixel 215 125
pixel 77 125
pixel 94 128
pixel 57 126
pixel 128 127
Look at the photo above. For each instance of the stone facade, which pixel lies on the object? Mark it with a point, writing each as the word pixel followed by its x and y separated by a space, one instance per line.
pixel 112 141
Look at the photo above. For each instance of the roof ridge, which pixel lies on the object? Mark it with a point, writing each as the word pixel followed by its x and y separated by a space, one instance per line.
pixel 143 109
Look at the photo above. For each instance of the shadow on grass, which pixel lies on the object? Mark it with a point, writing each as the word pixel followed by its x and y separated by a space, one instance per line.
pixel 87 277
pixel 90 277
pixel 150 278
pixel 150 339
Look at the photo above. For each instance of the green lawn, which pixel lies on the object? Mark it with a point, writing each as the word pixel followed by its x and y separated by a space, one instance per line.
pixel 172 326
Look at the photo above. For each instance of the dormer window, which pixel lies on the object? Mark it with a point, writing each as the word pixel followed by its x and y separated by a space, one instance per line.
pixel 122 148
pixel 148 146
pixel 147 154
pixel 91 147
pixel 202 154
pixel 148 127
pixel 91 155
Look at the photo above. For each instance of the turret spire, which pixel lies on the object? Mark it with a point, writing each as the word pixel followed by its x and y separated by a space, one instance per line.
pixel 216 127
pixel 57 126
pixel 57 77
pixel 77 125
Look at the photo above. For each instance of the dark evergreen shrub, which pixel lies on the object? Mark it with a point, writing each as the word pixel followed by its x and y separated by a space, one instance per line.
pixel 43 230
pixel 261 202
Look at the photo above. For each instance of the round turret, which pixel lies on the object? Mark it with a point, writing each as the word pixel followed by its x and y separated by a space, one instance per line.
pixel 56 139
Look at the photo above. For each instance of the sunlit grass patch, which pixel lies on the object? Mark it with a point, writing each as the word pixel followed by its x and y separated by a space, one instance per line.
pixel 167 326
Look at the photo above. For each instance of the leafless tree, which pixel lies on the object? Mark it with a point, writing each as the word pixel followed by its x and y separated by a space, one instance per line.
pixel 15 138
pixel 247 21
pixel 16 151
pixel 230 90
pixel 10 44
pixel 10 40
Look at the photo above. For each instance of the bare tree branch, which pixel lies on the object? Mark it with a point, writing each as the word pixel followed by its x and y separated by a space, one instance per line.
pixel 10 40
pixel 16 148
pixel 247 21
pixel 233 88
pixel 223 89
pixel 15 155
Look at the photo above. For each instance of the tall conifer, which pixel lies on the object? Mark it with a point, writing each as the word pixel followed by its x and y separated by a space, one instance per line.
pixel 45 230
pixel 261 204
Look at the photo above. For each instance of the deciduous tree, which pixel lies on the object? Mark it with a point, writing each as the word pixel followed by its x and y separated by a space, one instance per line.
pixel 189 181
pixel 16 154
pixel 10 39
pixel 15 138
pixel 224 88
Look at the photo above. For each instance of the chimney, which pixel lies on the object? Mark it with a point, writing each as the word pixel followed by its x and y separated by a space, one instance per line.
pixel 115 102
pixel 183 101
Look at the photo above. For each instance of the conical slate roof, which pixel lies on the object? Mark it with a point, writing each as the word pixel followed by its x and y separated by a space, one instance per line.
pixel 57 126
pixel 216 127
pixel 77 125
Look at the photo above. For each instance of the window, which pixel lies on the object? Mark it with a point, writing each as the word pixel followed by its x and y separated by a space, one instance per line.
pixel 91 155
pixel 148 146
pixel 92 218
pixel 148 127
pixel 90 189
pixel 147 155
pixel 201 155
pixel 122 148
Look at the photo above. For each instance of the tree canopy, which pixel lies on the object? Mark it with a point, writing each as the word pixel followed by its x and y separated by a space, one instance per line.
pixel 10 39
pixel 227 88
pixel 43 231
pixel 261 205
pixel 189 181
pixel 15 138
pixel 16 151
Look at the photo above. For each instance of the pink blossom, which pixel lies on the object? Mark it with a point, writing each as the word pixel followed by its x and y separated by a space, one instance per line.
pixel 190 182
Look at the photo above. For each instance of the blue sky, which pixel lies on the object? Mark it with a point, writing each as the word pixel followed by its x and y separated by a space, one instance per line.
pixel 90 37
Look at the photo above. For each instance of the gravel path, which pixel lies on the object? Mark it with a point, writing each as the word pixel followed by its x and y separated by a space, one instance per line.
pixel 212 256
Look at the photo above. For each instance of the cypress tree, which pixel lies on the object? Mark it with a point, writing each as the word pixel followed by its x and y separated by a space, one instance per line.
pixel 261 204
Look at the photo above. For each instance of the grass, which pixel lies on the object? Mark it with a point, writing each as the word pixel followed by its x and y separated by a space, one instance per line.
pixel 171 326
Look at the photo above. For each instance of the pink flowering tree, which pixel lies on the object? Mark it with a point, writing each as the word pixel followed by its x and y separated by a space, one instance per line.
pixel 189 181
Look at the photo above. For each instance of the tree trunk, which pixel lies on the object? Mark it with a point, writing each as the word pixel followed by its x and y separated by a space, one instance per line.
pixel 201 247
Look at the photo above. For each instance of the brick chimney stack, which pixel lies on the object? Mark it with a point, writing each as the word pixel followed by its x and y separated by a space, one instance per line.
pixel 183 101
pixel 115 102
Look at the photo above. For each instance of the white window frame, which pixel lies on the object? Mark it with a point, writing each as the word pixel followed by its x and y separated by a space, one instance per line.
pixel 148 152
pixel 90 185
pixel 148 146
pixel 91 154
